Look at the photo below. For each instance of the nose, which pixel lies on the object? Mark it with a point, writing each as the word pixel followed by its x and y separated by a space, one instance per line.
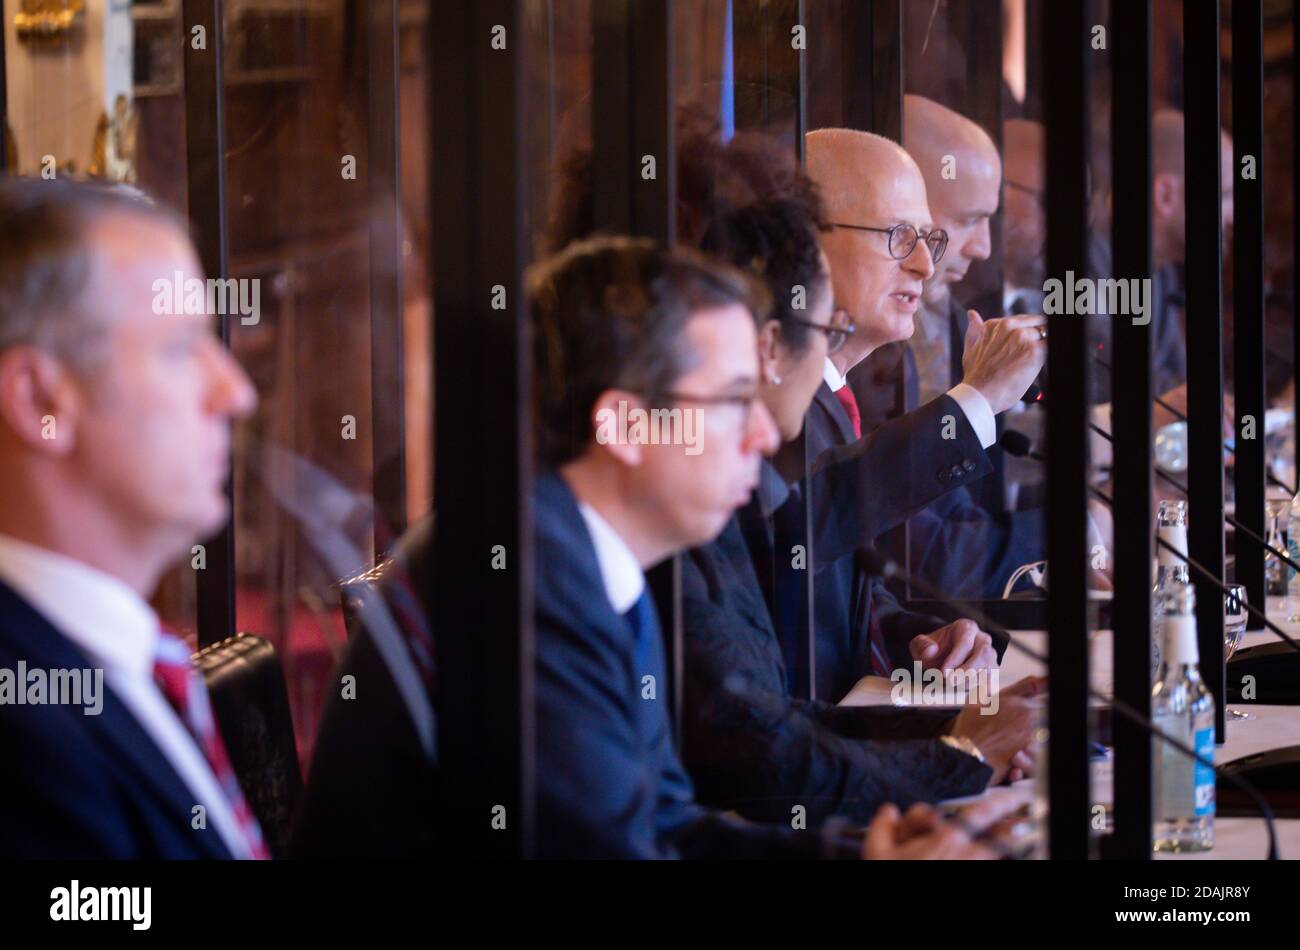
pixel 918 263
pixel 762 435
pixel 231 392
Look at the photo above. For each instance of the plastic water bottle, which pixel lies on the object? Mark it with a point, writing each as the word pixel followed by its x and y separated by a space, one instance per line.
pixel 1183 709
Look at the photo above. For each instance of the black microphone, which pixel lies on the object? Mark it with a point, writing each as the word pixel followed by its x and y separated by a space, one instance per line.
pixel 877 563
pixel 1018 444
pixel 1182 417
pixel 1230 519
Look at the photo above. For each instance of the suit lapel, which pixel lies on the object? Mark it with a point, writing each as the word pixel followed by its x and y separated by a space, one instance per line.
pixel 838 417
pixel 40 644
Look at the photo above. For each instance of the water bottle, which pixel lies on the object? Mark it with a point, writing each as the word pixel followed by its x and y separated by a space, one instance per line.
pixel 1183 709
pixel 1171 570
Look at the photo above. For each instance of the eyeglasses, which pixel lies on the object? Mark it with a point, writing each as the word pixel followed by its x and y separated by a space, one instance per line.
pixel 837 331
pixel 742 403
pixel 903 238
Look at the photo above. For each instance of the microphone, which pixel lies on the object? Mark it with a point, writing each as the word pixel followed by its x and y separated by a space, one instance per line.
pixel 878 563
pixel 1018 444
pixel 1182 417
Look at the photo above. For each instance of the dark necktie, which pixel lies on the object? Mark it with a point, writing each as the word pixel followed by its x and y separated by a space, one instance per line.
pixel 644 621
pixel 850 403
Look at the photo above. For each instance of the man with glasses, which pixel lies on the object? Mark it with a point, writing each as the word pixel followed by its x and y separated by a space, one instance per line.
pixel 882 249
pixel 967 543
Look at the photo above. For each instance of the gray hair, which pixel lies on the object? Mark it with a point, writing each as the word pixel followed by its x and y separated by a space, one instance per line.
pixel 46 258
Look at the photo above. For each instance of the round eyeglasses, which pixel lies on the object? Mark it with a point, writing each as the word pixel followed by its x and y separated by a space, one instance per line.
pixel 903 238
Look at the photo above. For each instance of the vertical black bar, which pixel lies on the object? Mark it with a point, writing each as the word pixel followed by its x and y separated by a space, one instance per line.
pixel 872 93
pixel 205 137
pixel 1066 29
pixel 632 109
pixel 1295 230
pixel 1205 326
pixel 1130 30
pixel 483 497
pixel 1248 295
pixel 383 177
pixel 769 63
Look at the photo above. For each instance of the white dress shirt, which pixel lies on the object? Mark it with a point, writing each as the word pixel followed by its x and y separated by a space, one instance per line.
pixel 970 400
pixel 623 577
pixel 118 632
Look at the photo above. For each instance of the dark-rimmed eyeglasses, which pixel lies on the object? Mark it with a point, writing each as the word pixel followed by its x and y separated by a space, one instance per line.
pixel 903 238
pixel 837 333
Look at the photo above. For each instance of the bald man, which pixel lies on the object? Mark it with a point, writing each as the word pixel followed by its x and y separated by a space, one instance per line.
pixel 880 252
pixel 967 543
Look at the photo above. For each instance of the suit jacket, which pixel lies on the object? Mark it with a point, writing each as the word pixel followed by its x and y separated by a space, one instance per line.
pixel 753 748
pixel 912 463
pixel 609 781
pixel 79 786
pixel 369 766
pixel 967 543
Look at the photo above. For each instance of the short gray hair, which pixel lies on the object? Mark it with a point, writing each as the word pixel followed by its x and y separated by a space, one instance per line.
pixel 46 259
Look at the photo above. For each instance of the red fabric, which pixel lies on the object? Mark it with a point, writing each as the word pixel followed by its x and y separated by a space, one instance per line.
pixel 850 403
pixel 183 689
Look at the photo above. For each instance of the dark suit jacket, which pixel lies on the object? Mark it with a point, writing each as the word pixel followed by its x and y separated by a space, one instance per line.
pixel 753 748
pixel 78 786
pixel 913 466
pixel 609 781
pixel 967 543
pixel 369 769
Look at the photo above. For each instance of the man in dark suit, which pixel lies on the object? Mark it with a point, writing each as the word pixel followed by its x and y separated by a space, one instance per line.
pixel 621 327
pixel 968 543
pixel 114 433
pixel 882 249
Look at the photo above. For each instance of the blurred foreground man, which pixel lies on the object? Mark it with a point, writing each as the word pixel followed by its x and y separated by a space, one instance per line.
pixel 114 439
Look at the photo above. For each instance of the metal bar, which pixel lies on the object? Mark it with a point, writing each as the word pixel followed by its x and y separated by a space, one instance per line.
pixel 632 119
pixel 1295 190
pixel 1205 325
pixel 1067 105
pixel 1130 143
pixel 383 177
pixel 484 616
pixel 872 97
pixel 1248 293
pixel 205 138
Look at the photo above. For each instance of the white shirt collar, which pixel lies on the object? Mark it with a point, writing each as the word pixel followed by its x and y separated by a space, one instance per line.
pixel 109 621
pixel 834 378
pixel 624 580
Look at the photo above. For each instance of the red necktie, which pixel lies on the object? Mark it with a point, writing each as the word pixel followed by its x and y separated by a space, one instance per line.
pixel 188 696
pixel 850 403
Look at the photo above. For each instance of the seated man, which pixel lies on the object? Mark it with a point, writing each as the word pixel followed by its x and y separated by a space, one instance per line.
pixel 114 439
pixel 621 327
pixel 882 245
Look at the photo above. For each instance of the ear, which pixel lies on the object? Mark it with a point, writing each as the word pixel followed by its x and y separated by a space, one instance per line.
pixel 771 348
pixel 39 399
pixel 612 425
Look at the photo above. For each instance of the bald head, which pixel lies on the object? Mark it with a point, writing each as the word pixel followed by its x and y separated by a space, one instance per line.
pixel 963 181
pixel 868 181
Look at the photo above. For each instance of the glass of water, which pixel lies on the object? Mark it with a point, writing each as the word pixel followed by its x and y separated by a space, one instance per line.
pixel 1234 631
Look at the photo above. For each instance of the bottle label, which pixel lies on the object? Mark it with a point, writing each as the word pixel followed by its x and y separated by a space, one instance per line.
pixel 1176 537
pixel 1203 743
